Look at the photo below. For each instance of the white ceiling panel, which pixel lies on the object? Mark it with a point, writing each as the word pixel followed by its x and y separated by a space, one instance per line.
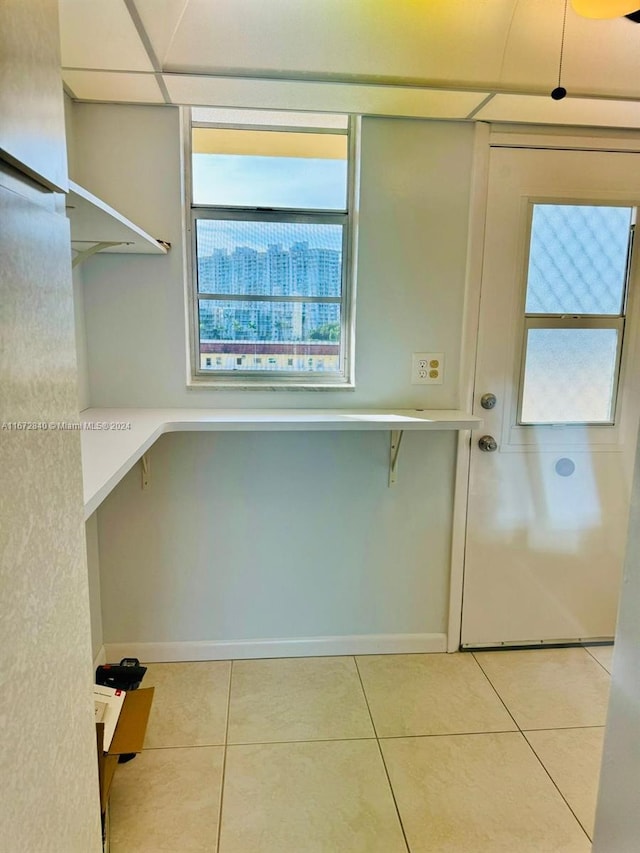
pixel 454 40
pixel 161 19
pixel 320 97
pixel 113 86
pixel 510 46
pixel 482 44
pixel 599 58
pixel 602 57
pixel 589 112
pixel 100 35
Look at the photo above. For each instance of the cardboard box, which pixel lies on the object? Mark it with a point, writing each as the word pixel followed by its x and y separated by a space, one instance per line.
pixel 107 703
pixel 128 737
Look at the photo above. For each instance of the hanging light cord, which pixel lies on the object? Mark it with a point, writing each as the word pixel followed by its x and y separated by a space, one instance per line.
pixel 564 27
pixel 560 92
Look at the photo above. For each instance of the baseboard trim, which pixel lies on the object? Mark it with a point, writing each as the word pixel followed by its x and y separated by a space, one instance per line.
pixel 357 644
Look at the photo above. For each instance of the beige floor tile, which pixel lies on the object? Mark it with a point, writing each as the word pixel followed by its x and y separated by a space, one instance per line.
pixel 297 699
pixel 603 654
pixel 190 703
pixel 572 758
pixel 549 688
pixel 167 801
pixel 430 694
pixel 329 797
pixel 482 793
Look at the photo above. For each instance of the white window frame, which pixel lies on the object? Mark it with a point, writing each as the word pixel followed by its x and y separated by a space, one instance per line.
pixel 265 379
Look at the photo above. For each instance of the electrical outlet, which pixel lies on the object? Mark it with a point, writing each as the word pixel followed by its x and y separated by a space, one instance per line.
pixel 427 368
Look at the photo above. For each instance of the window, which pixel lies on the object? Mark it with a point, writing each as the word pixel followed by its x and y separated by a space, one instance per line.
pixel 575 307
pixel 271 243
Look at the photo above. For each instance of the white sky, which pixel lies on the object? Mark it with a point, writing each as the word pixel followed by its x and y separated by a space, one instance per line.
pixel 237 181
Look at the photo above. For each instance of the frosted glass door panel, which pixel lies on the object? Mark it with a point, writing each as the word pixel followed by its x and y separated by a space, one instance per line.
pixel 578 259
pixel 569 376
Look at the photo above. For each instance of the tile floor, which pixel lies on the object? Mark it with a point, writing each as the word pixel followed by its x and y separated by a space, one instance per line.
pixel 463 753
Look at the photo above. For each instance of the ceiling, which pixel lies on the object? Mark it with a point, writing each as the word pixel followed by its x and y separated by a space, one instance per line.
pixel 493 60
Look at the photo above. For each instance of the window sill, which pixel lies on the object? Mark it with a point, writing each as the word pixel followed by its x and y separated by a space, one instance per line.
pixel 266 385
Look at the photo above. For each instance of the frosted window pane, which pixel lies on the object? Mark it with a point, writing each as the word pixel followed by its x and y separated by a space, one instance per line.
pixel 577 260
pixel 569 376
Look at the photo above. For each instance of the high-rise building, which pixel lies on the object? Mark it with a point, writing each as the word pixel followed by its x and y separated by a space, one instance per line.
pixel 277 271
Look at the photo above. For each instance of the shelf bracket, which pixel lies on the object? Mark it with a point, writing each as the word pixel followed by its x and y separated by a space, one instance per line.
pixel 98 247
pixel 145 471
pixel 394 450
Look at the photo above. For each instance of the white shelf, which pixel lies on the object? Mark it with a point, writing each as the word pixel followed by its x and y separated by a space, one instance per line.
pixel 109 453
pixel 97 227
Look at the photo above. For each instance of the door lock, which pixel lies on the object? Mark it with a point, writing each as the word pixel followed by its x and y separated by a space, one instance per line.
pixel 488 401
pixel 487 443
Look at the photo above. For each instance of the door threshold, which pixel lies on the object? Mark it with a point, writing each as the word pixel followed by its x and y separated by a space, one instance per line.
pixel 536 644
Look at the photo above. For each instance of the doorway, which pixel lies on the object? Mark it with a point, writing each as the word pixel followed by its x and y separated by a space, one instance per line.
pixel 550 471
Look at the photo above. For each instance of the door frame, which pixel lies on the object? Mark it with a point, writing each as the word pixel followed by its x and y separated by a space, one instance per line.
pixel 489 136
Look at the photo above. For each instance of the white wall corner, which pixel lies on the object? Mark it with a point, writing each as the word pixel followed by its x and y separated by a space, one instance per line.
pixel 466 379
pixel 101 658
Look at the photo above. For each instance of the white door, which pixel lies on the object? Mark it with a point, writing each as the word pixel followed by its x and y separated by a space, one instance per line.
pixel 548 508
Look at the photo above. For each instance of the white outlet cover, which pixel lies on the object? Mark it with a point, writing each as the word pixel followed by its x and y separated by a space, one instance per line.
pixel 427 368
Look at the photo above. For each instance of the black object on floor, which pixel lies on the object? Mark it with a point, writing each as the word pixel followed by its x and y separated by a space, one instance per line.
pixel 125 675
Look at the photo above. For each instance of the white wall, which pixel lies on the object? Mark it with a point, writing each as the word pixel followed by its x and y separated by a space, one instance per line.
pixel 47 748
pixel 48 761
pixel 618 814
pixel 78 284
pixel 281 535
pixel 93 567
pixel 246 536
pixel 81 339
pixel 91 527
pixel 412 252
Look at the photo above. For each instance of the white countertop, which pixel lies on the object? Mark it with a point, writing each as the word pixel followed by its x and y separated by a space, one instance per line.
pixel 113 440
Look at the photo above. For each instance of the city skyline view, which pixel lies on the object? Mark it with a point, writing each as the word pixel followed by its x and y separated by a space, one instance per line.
pixel 296 268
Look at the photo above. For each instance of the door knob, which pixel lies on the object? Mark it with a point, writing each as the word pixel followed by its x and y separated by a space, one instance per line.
pixel 487 443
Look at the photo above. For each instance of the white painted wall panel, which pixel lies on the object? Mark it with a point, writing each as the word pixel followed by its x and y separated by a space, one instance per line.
pixel 47 738
pixel 47 735
pixel 31 108
pixel 279 535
